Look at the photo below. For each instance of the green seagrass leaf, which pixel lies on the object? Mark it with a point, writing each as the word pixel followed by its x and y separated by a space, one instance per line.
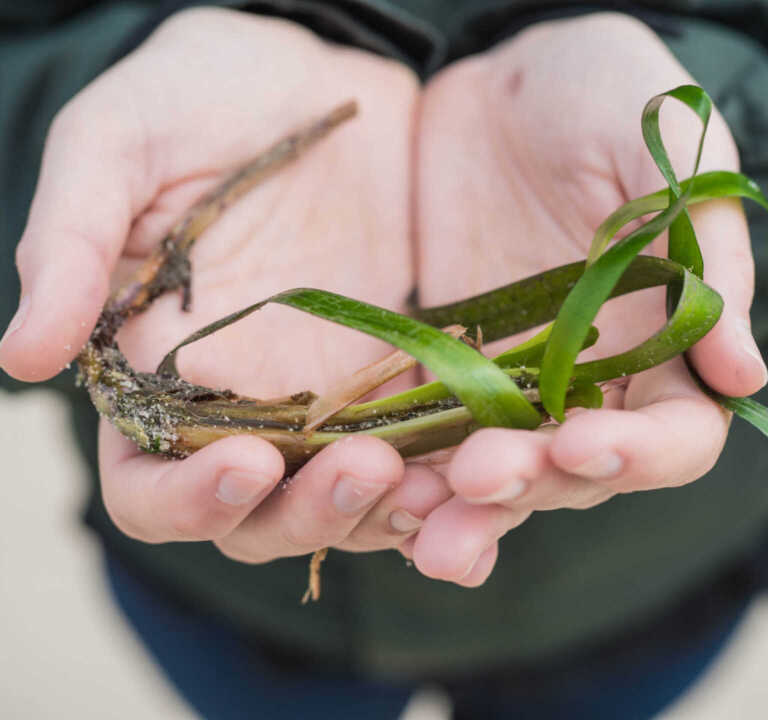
pixel 485 389
pixel 698 101
pixel 530 352
pixel 697 310
pixel 683 246
pixel 707 186
pixel 747 409
pixel 525 304
pixel 572 293
pixel 580 308
pixel 584 394
pixel 597 282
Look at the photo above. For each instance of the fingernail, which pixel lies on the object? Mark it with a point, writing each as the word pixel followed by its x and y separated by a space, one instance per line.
pixel 18 319
pixel 403 522
pixel 351 495
pixel 601 466
pixel 511 490
pixel 237 487
pixel 749 346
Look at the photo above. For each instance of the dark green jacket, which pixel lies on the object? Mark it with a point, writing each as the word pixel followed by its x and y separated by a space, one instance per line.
pixel 565 579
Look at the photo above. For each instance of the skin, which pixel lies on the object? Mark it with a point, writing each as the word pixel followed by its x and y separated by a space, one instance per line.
pixel 416 187
pixel 537 173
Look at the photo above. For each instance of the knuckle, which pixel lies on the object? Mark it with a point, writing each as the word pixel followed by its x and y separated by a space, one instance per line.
pixel 303 537
pixel 591 499
pixel 185 526
pixel 198 523
pixel 355 544
pixel 125 523
pixel 238 553
pixel 370 540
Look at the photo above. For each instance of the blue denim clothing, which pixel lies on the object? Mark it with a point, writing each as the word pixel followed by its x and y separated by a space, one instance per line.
pixel 224 677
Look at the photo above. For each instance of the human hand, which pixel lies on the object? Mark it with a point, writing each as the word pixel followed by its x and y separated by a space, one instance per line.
pixel 123 160
pixel 513 179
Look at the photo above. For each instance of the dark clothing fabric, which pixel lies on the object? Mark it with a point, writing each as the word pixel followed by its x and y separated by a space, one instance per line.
pixel 565 580
pixel 224 676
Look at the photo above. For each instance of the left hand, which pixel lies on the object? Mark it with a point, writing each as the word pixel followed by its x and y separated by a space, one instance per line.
pixel 523 151
pixel 123 160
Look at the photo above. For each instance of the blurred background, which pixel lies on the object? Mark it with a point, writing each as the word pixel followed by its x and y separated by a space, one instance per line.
pixel 65 651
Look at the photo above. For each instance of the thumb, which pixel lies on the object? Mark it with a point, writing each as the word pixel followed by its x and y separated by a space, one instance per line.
pixel 727 358
pixel 89 190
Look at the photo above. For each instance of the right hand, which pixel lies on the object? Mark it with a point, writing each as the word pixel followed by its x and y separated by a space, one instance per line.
pixel 550 145
pixel 123 160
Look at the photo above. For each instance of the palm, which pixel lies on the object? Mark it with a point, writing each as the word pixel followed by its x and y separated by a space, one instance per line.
pixel 537 173
pixel 337 219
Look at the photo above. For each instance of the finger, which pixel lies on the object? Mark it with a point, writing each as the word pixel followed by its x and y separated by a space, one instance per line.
pixel 321 504
pixel 727 358
pixel 93 181
pixel 670 434
pixel 401 512
pixel 455 536
pixel 203 497
pixel 513 468
pixel 483 567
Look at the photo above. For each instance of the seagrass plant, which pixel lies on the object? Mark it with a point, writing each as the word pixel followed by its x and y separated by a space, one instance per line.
pixel 521 388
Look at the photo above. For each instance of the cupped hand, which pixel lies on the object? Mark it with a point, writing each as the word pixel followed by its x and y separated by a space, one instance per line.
pixel 522 152
pixel 123 161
